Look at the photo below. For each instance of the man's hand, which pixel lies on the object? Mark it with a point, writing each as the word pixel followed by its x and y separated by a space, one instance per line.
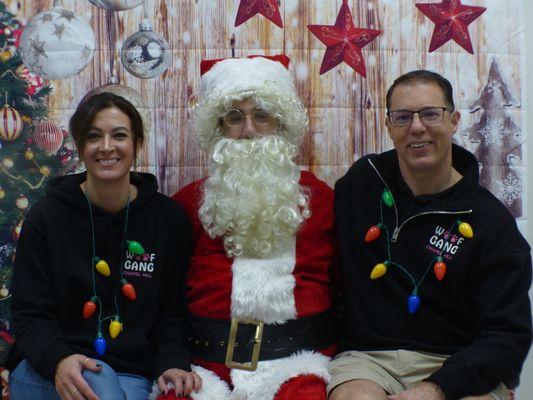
pixel 421 391
pixel 68 379
pixel 184 382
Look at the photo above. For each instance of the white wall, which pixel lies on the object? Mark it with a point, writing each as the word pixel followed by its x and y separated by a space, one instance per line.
pixel 525 391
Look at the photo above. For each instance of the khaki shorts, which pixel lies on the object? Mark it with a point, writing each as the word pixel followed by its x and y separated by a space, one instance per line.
pixel 393 370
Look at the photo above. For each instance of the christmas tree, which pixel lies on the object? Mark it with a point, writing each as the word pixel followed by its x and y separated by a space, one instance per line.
pixel 499 141
pixel 30 151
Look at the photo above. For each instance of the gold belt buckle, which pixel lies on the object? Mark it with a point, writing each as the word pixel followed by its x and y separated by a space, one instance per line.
pixel 247 366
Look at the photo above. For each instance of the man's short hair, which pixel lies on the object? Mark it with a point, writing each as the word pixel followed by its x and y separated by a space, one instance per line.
pixel 423 75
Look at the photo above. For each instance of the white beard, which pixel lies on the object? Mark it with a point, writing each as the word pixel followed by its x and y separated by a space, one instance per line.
pixel 252 197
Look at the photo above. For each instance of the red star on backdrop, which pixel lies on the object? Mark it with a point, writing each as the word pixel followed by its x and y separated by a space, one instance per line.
pixel 267 8
pixel 451 20
pixel 344 41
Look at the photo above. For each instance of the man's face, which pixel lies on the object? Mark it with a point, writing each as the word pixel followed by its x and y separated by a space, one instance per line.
pixel 422 147
pixel 246 121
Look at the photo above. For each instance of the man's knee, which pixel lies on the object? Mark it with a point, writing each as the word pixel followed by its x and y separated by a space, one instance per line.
pixel 358 389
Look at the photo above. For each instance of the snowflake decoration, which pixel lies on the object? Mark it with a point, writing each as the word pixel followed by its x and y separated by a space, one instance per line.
pixel 492 86
pixel 510 189
pixel 493 131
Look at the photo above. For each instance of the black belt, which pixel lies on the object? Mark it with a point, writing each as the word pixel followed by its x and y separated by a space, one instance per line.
pixel 210 339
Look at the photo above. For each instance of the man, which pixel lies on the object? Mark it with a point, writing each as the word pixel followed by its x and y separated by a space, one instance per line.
pixel 436 272
pixel 263 233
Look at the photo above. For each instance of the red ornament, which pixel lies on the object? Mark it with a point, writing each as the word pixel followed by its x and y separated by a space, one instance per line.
pixel 439 269
pixel 128 290
pixel 89 309
pixel 10 123
pixel 373 233
pixel 451 20
pixel 344 41
pixel 34 83
pixel 267 8
pixel 48 137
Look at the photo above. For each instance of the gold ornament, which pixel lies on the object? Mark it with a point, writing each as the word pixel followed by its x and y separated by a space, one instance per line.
pixel 26 119
pixel 4 292
pixel 2 193
pixel 8 162
pixel 45 170
pixel 28 154
pixel 5 55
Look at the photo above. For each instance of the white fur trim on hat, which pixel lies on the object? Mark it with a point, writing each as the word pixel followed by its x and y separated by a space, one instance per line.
pixel 237 75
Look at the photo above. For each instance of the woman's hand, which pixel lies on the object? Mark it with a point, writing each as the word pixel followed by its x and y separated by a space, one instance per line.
pixel 69 381
pixel 184 382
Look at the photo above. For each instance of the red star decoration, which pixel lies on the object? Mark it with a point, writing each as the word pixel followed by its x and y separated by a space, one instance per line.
pixel 451 20
pixel 267 8
pixel 344 41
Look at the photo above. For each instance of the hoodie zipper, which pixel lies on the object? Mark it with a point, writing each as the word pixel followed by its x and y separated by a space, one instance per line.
pixel 397 228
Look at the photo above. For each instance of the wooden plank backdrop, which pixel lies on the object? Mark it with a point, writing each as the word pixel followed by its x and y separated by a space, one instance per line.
pixel 346 111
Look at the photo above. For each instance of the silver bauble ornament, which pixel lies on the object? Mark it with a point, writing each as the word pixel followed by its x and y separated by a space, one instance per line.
pixel 56 44
pixel 145 54
pixel 117 5
pixel 132 96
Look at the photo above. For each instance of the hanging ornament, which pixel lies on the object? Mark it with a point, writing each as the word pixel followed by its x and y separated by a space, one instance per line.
pixel 387 198
pixel 373 233
pixel 8 163
pixel 115 327
pixel 89 308
pixel 267 8
pixel 132 96
pixel 439 269
pixel 117 5
pixel 379 270
pixel 135 247
pixel 57 44
pixel 466 230
pixel 44 170
pixel 100 344
pixel 344 41
pixel 22 202
pixel 128 290
pixel 4 291
pixel 102 266
pixel 10 123
pixel 2 193
pixel 34 83
pixel 413 302
pixel 145 54
pixel 48 137
pixel 5 55
pixel 15 233
pixel 451 20
pixel 28 154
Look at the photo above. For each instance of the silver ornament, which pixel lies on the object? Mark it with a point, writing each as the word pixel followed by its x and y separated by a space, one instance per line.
pixel 117 5
pixel 145 54
pixel 57 44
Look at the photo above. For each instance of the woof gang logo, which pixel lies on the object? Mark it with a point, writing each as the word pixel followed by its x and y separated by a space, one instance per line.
pixel 139 265
pixel 444 243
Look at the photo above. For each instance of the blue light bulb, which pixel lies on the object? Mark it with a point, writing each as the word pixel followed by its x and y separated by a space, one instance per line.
pixel 100 344
pixel 413 302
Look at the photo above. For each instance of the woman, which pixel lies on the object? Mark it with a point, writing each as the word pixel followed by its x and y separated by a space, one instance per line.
pixel 98 293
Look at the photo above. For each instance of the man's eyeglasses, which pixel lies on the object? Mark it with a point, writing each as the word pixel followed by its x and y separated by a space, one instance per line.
pixel 236 118
pixel 428 116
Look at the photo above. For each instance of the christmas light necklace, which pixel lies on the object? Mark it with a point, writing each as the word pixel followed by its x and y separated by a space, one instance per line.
pixel 101 266
pixel 380 269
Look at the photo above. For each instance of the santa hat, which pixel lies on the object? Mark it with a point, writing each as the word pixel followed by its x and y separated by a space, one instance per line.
pixel 264 78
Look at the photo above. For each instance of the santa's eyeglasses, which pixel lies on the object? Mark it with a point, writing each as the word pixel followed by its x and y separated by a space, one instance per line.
pixel 236 118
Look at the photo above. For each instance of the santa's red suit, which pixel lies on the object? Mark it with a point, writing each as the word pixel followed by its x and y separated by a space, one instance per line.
pixel 280 290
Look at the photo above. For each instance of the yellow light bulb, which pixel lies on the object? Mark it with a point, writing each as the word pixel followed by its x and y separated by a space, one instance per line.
pixel 378 271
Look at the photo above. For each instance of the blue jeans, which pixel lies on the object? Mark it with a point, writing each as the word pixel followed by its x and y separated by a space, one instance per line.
pixel 25 383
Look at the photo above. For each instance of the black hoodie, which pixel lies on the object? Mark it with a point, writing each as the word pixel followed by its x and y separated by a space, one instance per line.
pixel 52 279
pixel 479 313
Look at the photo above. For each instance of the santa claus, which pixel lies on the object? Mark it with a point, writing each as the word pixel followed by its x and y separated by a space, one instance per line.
pixel 258 283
